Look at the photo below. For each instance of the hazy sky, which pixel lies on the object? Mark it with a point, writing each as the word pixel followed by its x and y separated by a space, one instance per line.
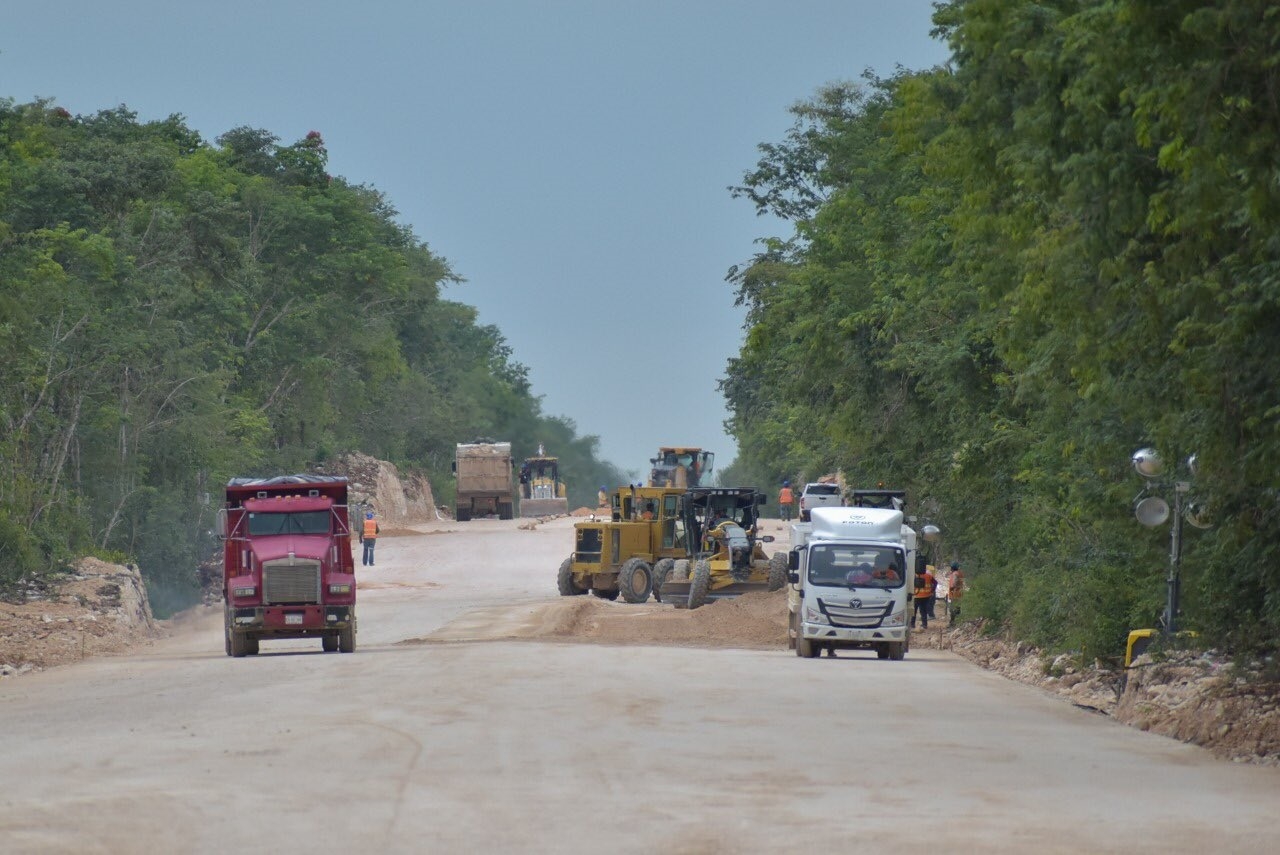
pixel 569 158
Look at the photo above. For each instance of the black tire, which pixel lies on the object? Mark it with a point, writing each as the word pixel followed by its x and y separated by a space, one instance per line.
pixel 661 570
pixel 805 648
pixel 700 584
pixel 505 511
pixel 328 643
pixel 462 514
pixel 251 646
pixel 777 571
pixel 804 516
pixel 882 651
pixel 897 650
pixel 635 580
pixel 239 644
pixel 347 638
pixel 565 582
pixel 226 629
pixel 604 595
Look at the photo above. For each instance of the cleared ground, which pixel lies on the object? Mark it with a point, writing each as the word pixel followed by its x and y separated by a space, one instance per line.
pixel 482 712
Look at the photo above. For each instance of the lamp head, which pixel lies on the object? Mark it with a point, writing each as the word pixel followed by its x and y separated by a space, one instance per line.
pixel 1147 463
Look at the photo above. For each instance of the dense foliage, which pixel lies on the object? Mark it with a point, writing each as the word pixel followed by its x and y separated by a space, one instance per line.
pixel 174 313
pixel 1008 274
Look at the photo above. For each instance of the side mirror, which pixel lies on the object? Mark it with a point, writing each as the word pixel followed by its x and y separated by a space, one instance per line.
pixel 222 523
pixel 768 538
pixel 793 577
pixel 793 560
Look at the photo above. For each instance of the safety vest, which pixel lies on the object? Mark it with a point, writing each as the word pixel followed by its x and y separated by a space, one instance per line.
pixel 784 496
pixel 925 585
pixel 370 528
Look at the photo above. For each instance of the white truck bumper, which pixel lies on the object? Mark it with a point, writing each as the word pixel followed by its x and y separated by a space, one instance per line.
pixel 827 633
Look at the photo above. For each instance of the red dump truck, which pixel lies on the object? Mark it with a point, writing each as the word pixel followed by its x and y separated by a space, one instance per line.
pixel 288 571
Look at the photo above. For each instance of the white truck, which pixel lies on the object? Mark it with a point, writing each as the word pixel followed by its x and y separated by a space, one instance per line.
pixel 850 574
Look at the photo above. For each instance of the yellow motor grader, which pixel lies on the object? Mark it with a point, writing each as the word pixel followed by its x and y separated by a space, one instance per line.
pixel 726 557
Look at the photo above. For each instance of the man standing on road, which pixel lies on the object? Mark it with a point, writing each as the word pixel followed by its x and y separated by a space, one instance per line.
pixel 922 596
pixel 369 537
pixel 955 590
pixel 785 500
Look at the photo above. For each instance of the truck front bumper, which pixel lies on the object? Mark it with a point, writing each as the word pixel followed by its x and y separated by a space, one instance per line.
pixel 292 620
pixel 852 637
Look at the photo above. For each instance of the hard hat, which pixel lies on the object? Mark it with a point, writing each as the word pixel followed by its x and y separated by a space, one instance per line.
pixel 786 483
pixel 601 486
pixel 368 515
pixel 955 565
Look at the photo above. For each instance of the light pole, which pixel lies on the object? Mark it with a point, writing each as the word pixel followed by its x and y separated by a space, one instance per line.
pixel 1153 510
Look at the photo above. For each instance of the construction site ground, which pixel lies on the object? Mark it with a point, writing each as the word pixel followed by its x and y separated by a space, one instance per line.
pixel 483 711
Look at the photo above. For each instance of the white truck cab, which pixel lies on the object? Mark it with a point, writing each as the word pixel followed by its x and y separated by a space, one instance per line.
pixel 849 572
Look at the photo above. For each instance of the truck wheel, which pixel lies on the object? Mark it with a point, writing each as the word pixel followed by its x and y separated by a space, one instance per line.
pixel 700 584
pixel 462 514
pixel 605 595
pixel 505 511
pixel 792 632
pixel 805 648
pixel 882 651
pixel 239 644
pixel 777 571
pixel 347 638
pixel 635 580
pixel 661 571
pixel 564 580
pixel 328 643
pixel 897 650
pixel 251 646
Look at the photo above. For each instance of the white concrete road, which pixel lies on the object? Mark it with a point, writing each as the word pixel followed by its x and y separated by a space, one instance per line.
pixel 544 746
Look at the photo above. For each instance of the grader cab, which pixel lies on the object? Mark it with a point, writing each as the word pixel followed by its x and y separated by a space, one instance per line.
pixel 726 556
pixel 681 467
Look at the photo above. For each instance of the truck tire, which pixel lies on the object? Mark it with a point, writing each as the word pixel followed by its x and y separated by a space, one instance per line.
pixel 661 570
pixel 792 631
pixel 347 638
pixel 462 514
pixel 882 651
pixel 635 580
pixel 805 648
pixel 777 571
pixel 328 643
pixel 505 511
pixel 564 580
pixel 700 584
pixel 605 595
pixel 239 643
pixel 251 646
pixel 897 650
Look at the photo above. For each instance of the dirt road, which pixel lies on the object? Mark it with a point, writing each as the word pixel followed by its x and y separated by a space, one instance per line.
pixel 472 719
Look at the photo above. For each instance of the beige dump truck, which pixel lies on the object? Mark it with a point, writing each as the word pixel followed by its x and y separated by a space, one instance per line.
pixel 483 470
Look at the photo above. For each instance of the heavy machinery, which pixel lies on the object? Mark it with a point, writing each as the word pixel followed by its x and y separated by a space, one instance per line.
pixel 483 469
pixel 617 556
pixel 726 556
pixel 542 493
pixel 287 565
pixel 681 467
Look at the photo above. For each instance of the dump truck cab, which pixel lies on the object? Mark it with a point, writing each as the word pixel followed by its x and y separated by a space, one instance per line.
pixel 288 571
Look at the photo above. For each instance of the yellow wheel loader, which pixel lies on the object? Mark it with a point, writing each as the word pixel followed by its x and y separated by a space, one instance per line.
pixel 542 493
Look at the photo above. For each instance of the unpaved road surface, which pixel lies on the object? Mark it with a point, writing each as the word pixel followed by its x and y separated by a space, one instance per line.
pixel 469 721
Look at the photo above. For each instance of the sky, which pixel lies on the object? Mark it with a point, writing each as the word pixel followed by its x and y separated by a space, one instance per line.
pixel 569 159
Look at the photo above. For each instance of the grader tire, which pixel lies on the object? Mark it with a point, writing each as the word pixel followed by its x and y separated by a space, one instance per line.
pixel 700 584
pixel 635 580
pixel 661 570
pixel 777 571
pixel 564 580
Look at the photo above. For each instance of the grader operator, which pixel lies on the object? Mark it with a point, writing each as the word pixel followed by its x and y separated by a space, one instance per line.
pixel 726 557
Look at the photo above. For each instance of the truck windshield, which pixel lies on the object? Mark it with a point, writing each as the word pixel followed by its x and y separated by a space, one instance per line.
pixel 304 522
pixel 863 566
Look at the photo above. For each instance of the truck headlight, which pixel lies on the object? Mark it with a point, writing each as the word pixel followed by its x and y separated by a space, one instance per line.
pixel 339 589
pixel 247 591
pixel 812 615
pixel 896 619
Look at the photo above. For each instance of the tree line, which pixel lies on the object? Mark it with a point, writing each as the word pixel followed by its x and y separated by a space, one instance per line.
pixel 174 313
pixel 1004 275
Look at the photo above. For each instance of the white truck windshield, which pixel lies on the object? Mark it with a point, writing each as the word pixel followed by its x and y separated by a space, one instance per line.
pixel 863 565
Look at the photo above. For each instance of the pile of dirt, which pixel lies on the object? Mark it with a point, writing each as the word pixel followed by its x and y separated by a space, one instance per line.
pixel 100 609
pixel 1192 696
pixel 395 498
pixel 583 512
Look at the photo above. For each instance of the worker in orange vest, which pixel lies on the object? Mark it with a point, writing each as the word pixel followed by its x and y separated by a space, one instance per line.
pixel 925 587
pixel 785 501
pixel 369 537
pixel 955 590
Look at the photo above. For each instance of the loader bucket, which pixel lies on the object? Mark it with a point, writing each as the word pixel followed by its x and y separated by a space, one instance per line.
pixel 543 507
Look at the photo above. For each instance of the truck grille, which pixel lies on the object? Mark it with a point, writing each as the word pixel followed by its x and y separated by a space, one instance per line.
pixel 855 617
pixel 291 580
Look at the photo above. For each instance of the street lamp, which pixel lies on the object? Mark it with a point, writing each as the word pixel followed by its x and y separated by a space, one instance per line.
pixel 1153 510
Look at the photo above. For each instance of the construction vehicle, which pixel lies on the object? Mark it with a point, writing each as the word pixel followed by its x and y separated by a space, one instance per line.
pixel 288 571
pixel 616 556
pixel 681 467
pixel 483 469
pixel 850 571
pixel 542 493
pixel 726 556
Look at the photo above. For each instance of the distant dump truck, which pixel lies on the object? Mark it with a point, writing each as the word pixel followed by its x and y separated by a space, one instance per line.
pixel 287 565
pixel 483 469
pixel 542 493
